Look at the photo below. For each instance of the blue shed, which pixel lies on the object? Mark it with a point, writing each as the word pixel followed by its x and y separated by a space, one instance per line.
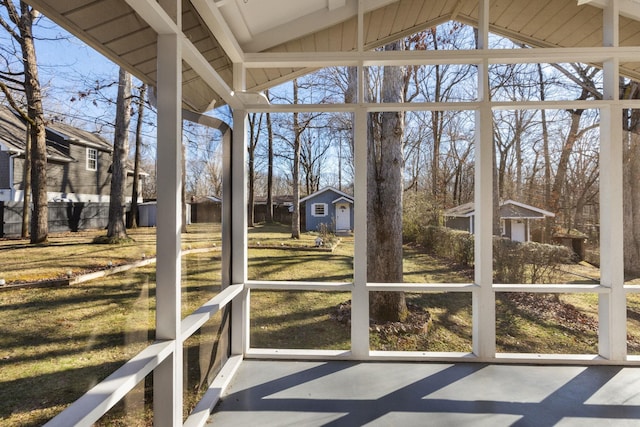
pixel 328 206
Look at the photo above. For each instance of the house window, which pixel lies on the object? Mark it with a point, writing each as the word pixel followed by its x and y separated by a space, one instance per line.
pixel 319 209
pixel 92 159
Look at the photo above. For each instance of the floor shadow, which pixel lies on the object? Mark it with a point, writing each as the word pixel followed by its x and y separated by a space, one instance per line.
pixel 429 394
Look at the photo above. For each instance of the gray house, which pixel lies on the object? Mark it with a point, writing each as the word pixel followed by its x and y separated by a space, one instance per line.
pixel 515 219
pixel 328 206
pixel 78 162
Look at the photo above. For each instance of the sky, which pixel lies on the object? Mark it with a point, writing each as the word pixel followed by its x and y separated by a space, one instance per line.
pixel 67 66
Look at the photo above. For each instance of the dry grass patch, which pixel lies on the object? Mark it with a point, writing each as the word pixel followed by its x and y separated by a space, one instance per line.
pixel 56 343
pixel 75 252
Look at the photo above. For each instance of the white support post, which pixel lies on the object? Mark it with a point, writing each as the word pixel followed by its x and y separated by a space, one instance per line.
pixel 612 321
pixel 168 376
pixel 227 212
pixel 612 306
pixel 360 297
pixel 238 196
pixel 484 335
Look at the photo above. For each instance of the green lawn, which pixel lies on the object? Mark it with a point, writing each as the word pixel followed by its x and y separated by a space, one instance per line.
pixel 55 343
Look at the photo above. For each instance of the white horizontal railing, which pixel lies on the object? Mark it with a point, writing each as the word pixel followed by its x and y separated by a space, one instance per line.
pixel 284 285
pixel 552 288
pixel 199 317
pixel 315 354
pixel 421 287
pixel 97 401
pixel 101 398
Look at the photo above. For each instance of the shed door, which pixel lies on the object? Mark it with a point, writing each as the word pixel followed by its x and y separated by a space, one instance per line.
pixel 518 231
pixel 343 216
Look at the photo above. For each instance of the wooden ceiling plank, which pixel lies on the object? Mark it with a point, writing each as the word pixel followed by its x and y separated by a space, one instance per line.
pixel 140 55
pixel 470 9
pixel 577 30
pixel 555 23
pixel 322 41
pixel 543 16
pixel 523 14
pixel 414 11
pixel 96 14
pixel 256 76
pixel 135 42
pixel 349 35
pixel 113 30
pixel 497 11
pixel 444 7
pixel 372 26
pixel 308 44
pixel 334 36
pixel 390 16
pixel 425 14
pixel 507 16
pixel 629 32
pixel 404 18
pixel 69 6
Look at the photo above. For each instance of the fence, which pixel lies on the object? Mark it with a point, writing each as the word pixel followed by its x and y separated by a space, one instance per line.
pixel 63 216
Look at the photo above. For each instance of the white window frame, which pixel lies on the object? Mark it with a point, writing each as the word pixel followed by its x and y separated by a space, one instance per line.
pixel 314 210
pixel 92 159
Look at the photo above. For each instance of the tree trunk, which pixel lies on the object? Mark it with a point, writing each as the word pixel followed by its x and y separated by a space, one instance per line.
pixel 549 222
pixel 495 202
pixel 384 199
pixel 183 189
pixel 563 163
pixel 270 170
pixel 295 216
pixel 39 218
pixel 251 170
pixel 116 228
pixel 136 161
pixel 631 169
pixel 26 185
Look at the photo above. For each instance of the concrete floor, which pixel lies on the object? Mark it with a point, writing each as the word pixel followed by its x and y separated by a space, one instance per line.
pixel 284 393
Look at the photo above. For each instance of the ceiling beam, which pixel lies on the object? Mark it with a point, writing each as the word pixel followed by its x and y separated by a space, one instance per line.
pixel 628 8
pixel 307 24
pixel 494 56
pixel 161 23
pixel 216 23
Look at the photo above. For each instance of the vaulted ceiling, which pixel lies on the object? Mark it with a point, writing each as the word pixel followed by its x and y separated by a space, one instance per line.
pixel 221 32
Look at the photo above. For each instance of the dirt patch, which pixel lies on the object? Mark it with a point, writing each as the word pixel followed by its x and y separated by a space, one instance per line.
pixel 418 321
pixel 551 308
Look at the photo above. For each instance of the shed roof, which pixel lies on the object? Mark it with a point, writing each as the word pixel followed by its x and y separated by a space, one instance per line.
pixel 509 209
pixel 324 190
pixel 220 33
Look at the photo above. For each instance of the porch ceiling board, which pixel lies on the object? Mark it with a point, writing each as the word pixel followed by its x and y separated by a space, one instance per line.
pixel 114 29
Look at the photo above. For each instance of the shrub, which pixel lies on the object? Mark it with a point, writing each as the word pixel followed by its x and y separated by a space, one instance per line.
pixel 325 231
pixel 513 262
pixel 543 260
pixel 443 242
pixel 508 261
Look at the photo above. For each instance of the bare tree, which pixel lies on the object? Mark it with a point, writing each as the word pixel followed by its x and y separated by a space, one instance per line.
pixel 297 132
pixel 136 162
pixel 269 166
pixel 313 151
pixel 631 126
pixel 255 127
pixel 23 35
pixel 384 197
pixel 116 229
